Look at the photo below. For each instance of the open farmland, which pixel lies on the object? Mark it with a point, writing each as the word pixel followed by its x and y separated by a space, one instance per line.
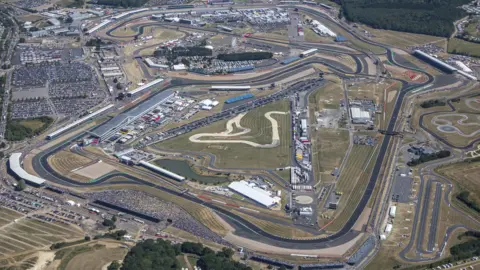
pixel 96 259
pixel 460 46
pixel 400 39
pixel 464 175
pixel 20 233
pixel 239 155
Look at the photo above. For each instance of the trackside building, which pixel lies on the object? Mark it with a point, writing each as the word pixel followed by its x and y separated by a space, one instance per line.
pixel 144 87
pixel 16 167
pixel 254 193
pixel 434 61
pixel 78 122
pixel 162 171
pixel 230 87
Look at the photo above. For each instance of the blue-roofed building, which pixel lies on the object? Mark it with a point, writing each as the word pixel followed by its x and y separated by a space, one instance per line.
pixel 290 59
pixel 340 38
pixel 239 98
pixel 242 68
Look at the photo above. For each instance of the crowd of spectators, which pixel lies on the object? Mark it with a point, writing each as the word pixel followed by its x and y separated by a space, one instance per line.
pixel 30 3
pixel 143 203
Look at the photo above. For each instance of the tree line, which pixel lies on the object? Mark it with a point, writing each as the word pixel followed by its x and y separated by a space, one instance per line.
pixel 464 197
pixel 162 254
pixel 432 103
pixel 121 3
pixel 245 56
pixel 428 157
pixel 430 17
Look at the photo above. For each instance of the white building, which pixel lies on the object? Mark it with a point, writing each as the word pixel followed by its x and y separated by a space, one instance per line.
pixel 388 228
pixel 321 29
pixel 393 210
pixel 359 116
pixel 162 171
pixel 16 167
pixel 254 193
pixel 179 67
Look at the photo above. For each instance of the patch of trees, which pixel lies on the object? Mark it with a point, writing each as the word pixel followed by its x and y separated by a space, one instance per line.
pixel 67 244
pixel 20 185
pixel 245 56
pixel 150 254
pixel 172 54
pixel 432 103
pixel 15 131
pixel 122 3
pixel 430 17
pixel 475 234
pixel 428 157
pixel 464 197
pixel 110 223
pixel 117 235
pixel 455 100
pixel 465 250
pixel 115 265
pixel 95 42
pixel 475 159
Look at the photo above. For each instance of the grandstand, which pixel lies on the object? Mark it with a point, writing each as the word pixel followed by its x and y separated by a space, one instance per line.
pixel 315 266
pixel 230 87
pixel 271 261
pixel 239 98
pixel 362 251
pixel 290 59
pixel 144 87
pixel 78 122
pixel 98 26
pixel 16 167
pixel 434 61
pixel 111 127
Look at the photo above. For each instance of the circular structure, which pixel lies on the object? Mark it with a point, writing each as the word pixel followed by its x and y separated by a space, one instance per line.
pixel 447 129
pixel 303 199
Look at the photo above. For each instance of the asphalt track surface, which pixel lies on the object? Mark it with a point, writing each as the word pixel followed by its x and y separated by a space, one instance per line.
pixel 245 228
pixel 438 137
pixel 420 223
pixel 169 25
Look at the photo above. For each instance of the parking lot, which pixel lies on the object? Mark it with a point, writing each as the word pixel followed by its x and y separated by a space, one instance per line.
pixel 49 88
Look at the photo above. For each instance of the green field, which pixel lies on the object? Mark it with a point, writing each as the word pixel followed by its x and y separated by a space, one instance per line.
pixel 239 155
pixel 472 28
pixel 352 182
pixel 459 46
pixel 464 176
pixel 400 39
pixel 328 150
pixel 18 130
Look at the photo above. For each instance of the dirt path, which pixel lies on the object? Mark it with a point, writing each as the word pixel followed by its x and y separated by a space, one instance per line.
pixel 44 257
pixel 229 129
pixel 185 258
